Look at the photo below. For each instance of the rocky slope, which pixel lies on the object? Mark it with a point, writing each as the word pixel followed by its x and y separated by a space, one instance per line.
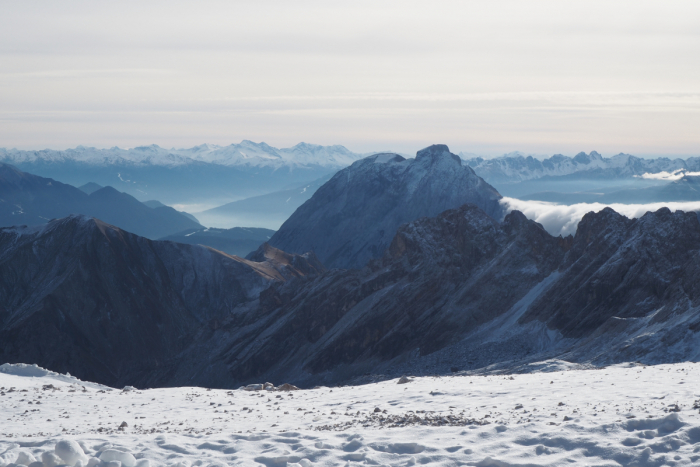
pixel 461 291
pixel 106 305
pixel 353 217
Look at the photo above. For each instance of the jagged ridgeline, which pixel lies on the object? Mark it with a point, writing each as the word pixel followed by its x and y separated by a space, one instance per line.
pixel 461 289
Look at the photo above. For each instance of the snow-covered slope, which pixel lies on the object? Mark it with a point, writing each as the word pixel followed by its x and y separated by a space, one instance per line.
pixel 516 167
pixel 550 414
pixel 247 153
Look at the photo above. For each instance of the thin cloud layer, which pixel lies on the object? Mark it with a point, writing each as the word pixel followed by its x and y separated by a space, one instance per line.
pixel 562 220
pixel 670 176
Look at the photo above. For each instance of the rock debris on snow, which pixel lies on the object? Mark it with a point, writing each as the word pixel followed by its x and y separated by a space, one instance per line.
pixel 649 417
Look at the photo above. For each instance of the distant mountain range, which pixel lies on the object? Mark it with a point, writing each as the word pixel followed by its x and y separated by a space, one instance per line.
pixel 518 168
pixel 684 189
pixel 590 177
pixel 239 241
pixel 269 211
pixel 27 199
pixel 206 173
pixel 247 153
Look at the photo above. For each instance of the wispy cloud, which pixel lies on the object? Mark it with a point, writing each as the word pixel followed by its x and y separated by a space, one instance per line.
pixel 560 219
pixel 670 176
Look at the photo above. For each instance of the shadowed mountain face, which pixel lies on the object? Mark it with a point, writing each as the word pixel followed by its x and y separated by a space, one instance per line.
pixel 353 217
pixel 461 290
pixel 27 199
pixel 83 296
pixel 456 290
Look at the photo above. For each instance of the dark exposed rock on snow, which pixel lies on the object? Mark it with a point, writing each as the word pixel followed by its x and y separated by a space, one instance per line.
pixel 106 305
pixel 354 216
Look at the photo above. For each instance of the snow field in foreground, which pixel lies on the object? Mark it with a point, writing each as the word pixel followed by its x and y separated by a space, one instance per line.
pixel 620 415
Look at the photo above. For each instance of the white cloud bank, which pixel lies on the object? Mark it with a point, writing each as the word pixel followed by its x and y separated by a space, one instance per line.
pixel 560 219
pixel 670 176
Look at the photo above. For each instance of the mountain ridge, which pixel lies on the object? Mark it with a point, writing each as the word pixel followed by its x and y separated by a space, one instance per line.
pixel 110 306
pixel 462 291
pixel 518 168
pixel 246 153
pixel 30 199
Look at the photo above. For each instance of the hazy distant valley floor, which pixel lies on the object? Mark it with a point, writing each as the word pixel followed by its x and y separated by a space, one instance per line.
pixel 618 415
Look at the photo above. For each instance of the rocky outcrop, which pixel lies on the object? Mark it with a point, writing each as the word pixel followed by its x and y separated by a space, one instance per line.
pixel 83 296
pixel 440 279
pixel 458 291
pixel 463 291
pixel 353 217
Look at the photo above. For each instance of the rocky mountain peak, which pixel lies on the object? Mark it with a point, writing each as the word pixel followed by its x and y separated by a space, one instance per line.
pixel 436 153
pixel 353 217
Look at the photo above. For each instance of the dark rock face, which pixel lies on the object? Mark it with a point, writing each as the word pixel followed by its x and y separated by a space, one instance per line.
pixel 624 269
pixel 27 199
pixel 460 290
pixel 354 216
pixel 83 296
pixel 439 280
pixel 466 287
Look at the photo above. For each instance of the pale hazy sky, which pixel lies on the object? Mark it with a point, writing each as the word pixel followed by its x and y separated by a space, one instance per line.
pixel 485 77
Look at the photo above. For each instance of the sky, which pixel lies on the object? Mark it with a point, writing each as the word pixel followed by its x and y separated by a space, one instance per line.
pixel 484 77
